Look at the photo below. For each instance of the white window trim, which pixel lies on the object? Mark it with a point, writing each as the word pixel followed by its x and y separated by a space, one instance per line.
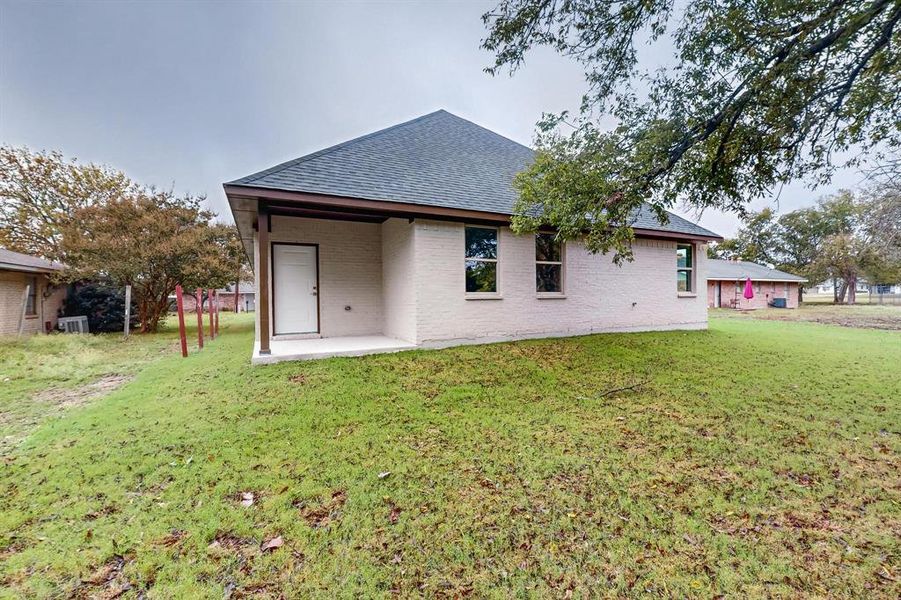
pixel 692 279
pixel 495 295
pixel 561 262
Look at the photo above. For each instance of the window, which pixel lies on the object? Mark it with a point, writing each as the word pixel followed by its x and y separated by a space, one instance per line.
pixel 31 302
pixel 548 264
pixel 481 260
pixel 684 268
pixel 757 288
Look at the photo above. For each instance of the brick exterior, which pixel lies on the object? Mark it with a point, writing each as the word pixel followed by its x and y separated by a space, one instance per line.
pixel 406 280
pixel 226 301
pixel 764 292
pixel 599 296
pixel 399 289
pixel 12 289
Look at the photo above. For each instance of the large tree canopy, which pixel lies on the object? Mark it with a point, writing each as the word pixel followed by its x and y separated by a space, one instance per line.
pixel 757 93
pixel 844 237
pixel 152 241
pixel 109 229
pixel 39 191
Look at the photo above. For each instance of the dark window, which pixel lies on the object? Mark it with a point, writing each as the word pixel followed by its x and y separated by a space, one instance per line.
pixel 481 259
pixel 684 267
pixel 31 303
pixel 548 263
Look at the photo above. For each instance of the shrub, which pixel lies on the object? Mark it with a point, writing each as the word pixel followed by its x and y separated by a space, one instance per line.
pixel 104 306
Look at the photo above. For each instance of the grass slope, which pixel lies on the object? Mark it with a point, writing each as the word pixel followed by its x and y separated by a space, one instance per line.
pixel 760 458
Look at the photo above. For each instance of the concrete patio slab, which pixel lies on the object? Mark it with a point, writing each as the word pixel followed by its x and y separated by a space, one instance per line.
pixel 310 349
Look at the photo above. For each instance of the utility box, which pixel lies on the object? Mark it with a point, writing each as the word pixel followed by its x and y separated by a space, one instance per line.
pixel 73 324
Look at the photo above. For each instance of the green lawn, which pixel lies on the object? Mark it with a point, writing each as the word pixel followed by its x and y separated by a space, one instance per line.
pixel 760 458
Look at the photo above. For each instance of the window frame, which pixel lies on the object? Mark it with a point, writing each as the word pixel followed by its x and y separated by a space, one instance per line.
pixel 32 298
pixel 690 278
pixel 560 263
pixel 496 294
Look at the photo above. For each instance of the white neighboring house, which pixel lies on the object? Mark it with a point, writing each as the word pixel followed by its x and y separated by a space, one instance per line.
pixel 401 239
pixel 863 287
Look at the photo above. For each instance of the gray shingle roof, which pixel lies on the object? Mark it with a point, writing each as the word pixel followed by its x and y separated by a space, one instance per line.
pixel 727 269
pixel 16 261
pixel 438 159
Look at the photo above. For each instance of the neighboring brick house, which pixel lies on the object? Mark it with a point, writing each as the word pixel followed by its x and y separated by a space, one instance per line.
pixel 401 239
pixel 226 296
pixel 726 285
pixel 44 299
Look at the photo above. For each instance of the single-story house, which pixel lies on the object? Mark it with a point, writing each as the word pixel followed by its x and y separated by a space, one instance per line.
pixel 246 297
pixel 726 285
pixel 226 297
pixel 37 310
pixel 401 239
pixel 863 287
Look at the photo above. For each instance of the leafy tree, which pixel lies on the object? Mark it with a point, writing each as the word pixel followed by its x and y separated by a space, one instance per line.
pixel 152 241
pixel 39 193
pixel 842 237
pixel 759 93
pixel 758 241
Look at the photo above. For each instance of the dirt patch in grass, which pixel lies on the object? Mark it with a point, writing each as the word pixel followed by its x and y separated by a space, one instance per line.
pixel 70 398
pixel 106 581
pixel 886 317
pixel 53 402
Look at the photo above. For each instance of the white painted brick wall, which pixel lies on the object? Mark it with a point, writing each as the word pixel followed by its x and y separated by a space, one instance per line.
pixel 398 279
pixel 599 295
pixel 350 271
pixel 408 281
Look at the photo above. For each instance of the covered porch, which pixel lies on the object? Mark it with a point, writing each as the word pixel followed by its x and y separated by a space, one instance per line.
pixel 334 277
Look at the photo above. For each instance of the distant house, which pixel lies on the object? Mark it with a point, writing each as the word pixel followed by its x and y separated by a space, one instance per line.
pixel 863 287
pixel 38 310
pixel 401 239
pixel 246 297
pixel 726 285
pixel 226 298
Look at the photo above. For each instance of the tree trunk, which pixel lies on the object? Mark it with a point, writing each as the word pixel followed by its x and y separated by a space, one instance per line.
pixel 834 290
pixel 152 311
pixel 852 290
pixel 841 292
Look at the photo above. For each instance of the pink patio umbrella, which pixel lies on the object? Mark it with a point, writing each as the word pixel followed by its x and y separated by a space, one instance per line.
pixel 749 290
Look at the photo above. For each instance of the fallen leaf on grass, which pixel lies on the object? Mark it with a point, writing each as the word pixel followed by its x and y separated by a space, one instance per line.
pixel 321 516
pixel 394 512
pixel 272 544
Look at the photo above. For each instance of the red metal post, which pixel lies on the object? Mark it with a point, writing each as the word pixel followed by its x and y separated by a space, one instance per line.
pixel 216 304
pixel 200 318
pixel 181 321
pixel 209 296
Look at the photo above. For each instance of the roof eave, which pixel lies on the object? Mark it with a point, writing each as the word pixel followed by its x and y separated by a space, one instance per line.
pixel 28 268
pixel 389 208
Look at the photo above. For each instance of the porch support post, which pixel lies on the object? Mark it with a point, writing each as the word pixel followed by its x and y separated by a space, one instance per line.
pixel 265 274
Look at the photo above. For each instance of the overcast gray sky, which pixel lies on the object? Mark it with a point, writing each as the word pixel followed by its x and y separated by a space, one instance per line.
pixel 193 94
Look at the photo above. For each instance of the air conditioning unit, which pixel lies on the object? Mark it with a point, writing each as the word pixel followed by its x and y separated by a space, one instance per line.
pixel 73 324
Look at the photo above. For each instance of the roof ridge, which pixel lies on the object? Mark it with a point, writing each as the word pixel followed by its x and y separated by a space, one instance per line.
pixel 494 133
pixel 296 161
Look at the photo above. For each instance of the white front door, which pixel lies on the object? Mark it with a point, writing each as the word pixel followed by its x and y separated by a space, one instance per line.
pixel 295 299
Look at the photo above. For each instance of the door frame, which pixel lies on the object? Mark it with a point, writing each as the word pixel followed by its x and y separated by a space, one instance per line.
pixel 272 246
pixel 718 294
